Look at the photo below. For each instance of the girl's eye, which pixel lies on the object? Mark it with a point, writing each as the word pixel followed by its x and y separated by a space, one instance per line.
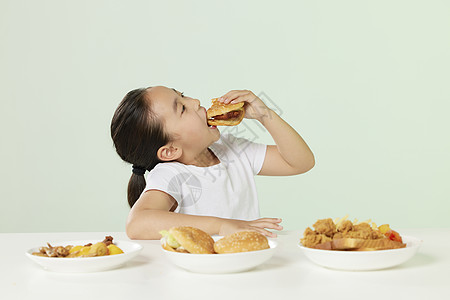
pixel 183 109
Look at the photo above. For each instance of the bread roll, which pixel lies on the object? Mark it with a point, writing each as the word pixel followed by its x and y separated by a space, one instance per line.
pixel 193 240
pixel 241 241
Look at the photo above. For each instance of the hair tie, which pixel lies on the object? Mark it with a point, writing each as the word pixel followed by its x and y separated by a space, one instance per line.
pixel 138 170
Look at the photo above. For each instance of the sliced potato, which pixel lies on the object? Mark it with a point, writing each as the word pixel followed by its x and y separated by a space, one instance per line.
pixel 113 249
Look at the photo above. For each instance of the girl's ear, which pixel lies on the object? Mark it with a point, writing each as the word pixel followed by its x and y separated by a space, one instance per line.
pixel 169 152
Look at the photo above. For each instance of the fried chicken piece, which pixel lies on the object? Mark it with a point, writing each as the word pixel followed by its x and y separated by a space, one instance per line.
pixel 325 226
pixel 362 235
pixel 376 234
pixel 338 235
pixel 311 241
pixel 363 227
pixel 309 231
pixel 312 238
pixel 360 231
pixel 345 226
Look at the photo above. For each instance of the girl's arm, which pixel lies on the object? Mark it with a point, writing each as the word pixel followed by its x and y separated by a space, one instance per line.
pixel 150 214
pixel 291 155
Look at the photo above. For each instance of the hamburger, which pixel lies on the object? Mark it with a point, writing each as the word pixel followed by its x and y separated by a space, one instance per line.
pixel 187 239
pixel 220 114
pixel 241 241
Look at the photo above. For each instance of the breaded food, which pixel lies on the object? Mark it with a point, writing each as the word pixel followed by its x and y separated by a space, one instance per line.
pixel 241 241
pixel 345 226
pixel 312 238
pixel 325 226
pixel 346 235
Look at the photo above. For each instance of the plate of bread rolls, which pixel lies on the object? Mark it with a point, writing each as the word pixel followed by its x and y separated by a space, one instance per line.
pixel 194 250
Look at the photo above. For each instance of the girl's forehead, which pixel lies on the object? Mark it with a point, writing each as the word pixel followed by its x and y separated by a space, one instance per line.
pixel 162 100
pixel 161 92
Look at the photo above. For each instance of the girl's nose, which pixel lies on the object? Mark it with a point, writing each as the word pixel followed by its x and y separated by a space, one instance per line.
pixel 197 103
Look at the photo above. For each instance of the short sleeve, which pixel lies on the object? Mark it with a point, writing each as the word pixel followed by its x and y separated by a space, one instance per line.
pixel 166 179
pixel 255 153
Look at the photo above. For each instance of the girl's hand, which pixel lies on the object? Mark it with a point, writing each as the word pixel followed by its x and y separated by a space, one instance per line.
pixel 230 226
pixel 254 107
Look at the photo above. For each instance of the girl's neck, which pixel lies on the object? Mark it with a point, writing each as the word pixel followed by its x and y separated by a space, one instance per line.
pixel 205 159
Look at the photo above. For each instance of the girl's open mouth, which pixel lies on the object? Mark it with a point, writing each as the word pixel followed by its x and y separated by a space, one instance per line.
pixel 209 126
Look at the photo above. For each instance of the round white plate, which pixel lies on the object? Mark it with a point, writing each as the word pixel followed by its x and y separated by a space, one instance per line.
pixel 220 263
pixel 363 260
pixel 86 264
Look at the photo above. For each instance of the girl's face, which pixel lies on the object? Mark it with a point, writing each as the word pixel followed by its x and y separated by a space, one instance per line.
pixel 183 118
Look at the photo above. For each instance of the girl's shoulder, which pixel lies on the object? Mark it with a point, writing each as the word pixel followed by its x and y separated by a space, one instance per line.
pixel 167 167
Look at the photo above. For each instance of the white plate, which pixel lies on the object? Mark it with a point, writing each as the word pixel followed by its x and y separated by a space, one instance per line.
pixel 363 260
pixel 220 263
pixel 85 264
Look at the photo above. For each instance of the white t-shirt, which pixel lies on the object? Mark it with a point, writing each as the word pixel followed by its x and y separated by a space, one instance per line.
pixel 224 190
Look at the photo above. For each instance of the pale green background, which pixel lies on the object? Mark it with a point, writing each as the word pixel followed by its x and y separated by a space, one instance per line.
pixel 366 83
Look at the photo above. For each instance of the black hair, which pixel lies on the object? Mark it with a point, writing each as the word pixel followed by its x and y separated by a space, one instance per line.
pixel 137 134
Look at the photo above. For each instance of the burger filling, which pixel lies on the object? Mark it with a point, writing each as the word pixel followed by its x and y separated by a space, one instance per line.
pixel 170 240
pixel 229 115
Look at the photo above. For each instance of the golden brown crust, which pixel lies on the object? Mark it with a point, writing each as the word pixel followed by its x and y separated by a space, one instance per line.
pixel 347 236
pixel 325 226
pixel 360 244
pixel 217 108
pixel 241 241
pixel 312 238
pixel 167 247
pixel 193 239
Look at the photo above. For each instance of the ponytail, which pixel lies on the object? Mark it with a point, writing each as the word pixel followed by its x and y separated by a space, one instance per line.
pixel 136 186
pixel 137 135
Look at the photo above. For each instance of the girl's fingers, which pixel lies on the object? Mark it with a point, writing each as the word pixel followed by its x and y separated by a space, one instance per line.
pixel 266 232
pixel 232 95
pixel 227 95
pixel 268 225
pixel 270 220
pixel 271 223
pixel 248 97
pixel 276 220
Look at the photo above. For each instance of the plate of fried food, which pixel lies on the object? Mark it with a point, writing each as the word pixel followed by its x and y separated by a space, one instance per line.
pixel 356 246
pixel 84 255
pixel 194 250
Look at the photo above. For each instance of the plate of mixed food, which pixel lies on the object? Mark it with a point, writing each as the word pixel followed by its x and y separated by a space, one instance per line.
pixel 356 246
pixel 194 250
pixel 84 255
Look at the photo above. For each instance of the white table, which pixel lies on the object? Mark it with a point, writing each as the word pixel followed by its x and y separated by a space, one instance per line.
pixel 287 275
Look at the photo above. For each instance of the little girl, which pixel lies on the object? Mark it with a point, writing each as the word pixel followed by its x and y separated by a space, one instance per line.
pixel 196 176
